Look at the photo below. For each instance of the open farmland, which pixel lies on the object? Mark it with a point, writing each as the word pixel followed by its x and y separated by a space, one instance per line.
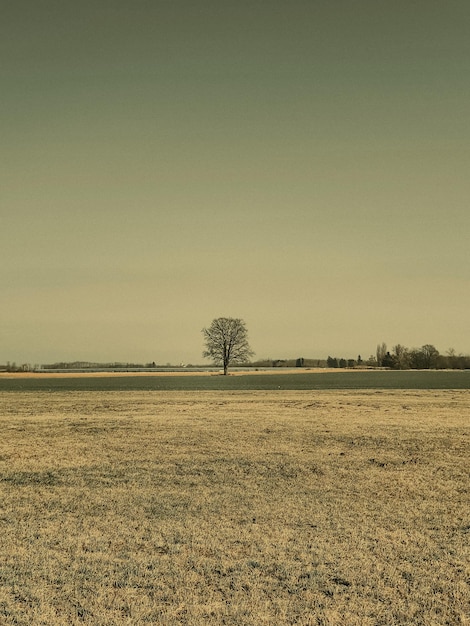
pixel 310 507
pixel 249 380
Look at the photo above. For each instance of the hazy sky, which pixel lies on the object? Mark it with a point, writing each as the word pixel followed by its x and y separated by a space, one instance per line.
pixel 303 165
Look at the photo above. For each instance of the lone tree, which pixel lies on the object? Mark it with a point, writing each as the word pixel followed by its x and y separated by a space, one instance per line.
pixel 226 342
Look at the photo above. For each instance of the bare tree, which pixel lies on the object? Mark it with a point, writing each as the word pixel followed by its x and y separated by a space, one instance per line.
pixel 402 356
pixel 424 357
pixel 430 355
pixel 226 342
pixel 380 353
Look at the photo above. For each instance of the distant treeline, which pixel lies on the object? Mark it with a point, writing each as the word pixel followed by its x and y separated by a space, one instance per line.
pixel 426 357
pixel 300 362
pixel 78 365
pixel 74 365
pixel 398 358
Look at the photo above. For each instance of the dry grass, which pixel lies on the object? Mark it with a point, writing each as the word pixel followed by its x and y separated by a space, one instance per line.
pixel 251 508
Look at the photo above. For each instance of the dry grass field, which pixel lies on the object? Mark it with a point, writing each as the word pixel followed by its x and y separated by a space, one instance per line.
pixel 240 508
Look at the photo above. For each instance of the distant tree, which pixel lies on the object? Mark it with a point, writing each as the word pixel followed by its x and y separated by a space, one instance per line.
pixel 454 360
pixel 226 342
pixel 389 360
pixel 402 357
pixel 299 362
pixel 359 360
pixel 430 356
pixel 351 363
pixel 381 351
pixel 425 357
pixel 332 361
pixel 343 363
pixel 416 359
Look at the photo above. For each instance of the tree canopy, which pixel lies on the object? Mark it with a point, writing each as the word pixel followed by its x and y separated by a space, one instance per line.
pixel 226 342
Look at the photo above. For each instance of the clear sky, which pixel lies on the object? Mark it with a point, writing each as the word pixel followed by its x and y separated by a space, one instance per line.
pixel 302 165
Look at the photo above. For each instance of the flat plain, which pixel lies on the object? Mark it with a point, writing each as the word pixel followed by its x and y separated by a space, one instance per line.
pixel 310 507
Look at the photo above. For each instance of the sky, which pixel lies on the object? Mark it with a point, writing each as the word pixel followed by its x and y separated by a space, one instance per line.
pixel 301 165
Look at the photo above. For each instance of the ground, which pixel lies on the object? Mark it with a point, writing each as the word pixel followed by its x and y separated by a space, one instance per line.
pixel 240 508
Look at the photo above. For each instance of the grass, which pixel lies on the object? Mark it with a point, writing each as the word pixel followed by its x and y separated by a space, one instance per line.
pixel 274 380
pixel 237 508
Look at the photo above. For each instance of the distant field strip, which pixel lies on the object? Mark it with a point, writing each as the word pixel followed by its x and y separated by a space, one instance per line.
pixel 250 382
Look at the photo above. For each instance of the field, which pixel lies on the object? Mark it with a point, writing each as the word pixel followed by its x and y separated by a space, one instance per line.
pixel 309 507
pixel 273 379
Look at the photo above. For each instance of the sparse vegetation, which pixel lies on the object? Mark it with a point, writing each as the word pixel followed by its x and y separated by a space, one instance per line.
pixel 301 507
